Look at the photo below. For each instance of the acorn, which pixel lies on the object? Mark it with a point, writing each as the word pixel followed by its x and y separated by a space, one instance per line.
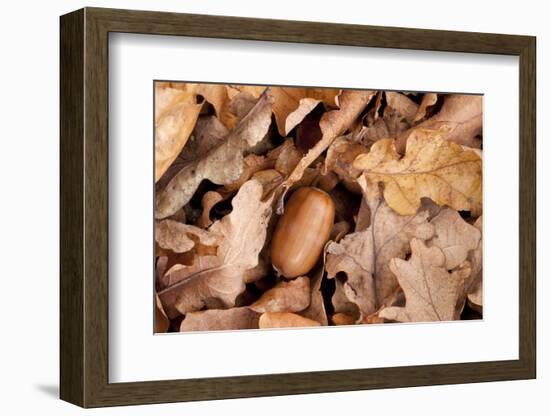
pixel 302 232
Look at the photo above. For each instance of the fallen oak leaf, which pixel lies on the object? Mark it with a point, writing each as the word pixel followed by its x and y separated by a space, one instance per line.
pixel 220 320
pixel 176 112
pixel 209 132
pixel 432 167
pixel 431 292
pixel 286 296
pixel 364 256
pixel 402 104
pixel 241 236
pixel 461 115
pixel 179 238
pixel 285 320
pixel 454 236
pixel 161 320
pixel 221 165
pixel 474 285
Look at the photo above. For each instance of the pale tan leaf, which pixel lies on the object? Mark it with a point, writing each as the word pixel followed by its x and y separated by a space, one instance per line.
pixel 431 292
pixel 241 236
pixel 454 236
pixel 285 320
pixel 474 285
pixel 222 165
pixel 286 296
pixel 291 105
pixel 432 167
pixel 179 238
pixel 220 319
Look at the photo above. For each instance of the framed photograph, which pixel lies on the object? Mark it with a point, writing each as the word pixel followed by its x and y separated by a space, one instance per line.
pixel 255 207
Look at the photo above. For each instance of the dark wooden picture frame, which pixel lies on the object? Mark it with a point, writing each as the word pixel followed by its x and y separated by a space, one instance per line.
pixel 84 207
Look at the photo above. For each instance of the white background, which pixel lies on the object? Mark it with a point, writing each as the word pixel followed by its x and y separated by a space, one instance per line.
pixel 131 205
pixel 29 210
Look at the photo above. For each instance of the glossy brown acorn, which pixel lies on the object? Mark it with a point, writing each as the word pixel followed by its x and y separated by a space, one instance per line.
pixel 302 232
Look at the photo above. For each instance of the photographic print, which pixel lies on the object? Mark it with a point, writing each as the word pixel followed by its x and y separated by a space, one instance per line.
pixel 290 206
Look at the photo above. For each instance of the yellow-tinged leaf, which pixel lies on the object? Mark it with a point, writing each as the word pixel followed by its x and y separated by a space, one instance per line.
pixel 432 167
pixel 176 113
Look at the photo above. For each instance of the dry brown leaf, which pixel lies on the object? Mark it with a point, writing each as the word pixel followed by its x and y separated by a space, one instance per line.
pixel 333 124
pixel 291 105
pixel 176 112
pixel 161 320
pixel 220 320
pixel 431 292
pixel 285 320
pixel 252 164
pixel 364 256
pixel 209 132
pixel 432 167
pixel 429 99
pixel 340 156
pixel 179 238
pixel 291 296
pixel 460 115
pixel 316 309
pixel 454 236
pixel 402 104
pixel 241 236
pixel 221 165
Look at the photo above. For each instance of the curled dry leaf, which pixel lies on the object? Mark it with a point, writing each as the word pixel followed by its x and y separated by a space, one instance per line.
pixel 220 319
pixel 316 309
pixel 241 236
pixel 432 167
pixel 161 320
pixel 431 292
pixel 176 112
pixel 221 165
pixel 340 156
pixel 429 99
pixel 402 105
pixel 291 296
pixel 285 320
pixel 333 124
pixel 460 116
pixel 291 105
pixel 209 199
pixel 364 256
pixel 454 236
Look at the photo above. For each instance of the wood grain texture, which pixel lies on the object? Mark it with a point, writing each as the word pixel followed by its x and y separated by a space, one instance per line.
pixel 71 213
pixel 84 207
